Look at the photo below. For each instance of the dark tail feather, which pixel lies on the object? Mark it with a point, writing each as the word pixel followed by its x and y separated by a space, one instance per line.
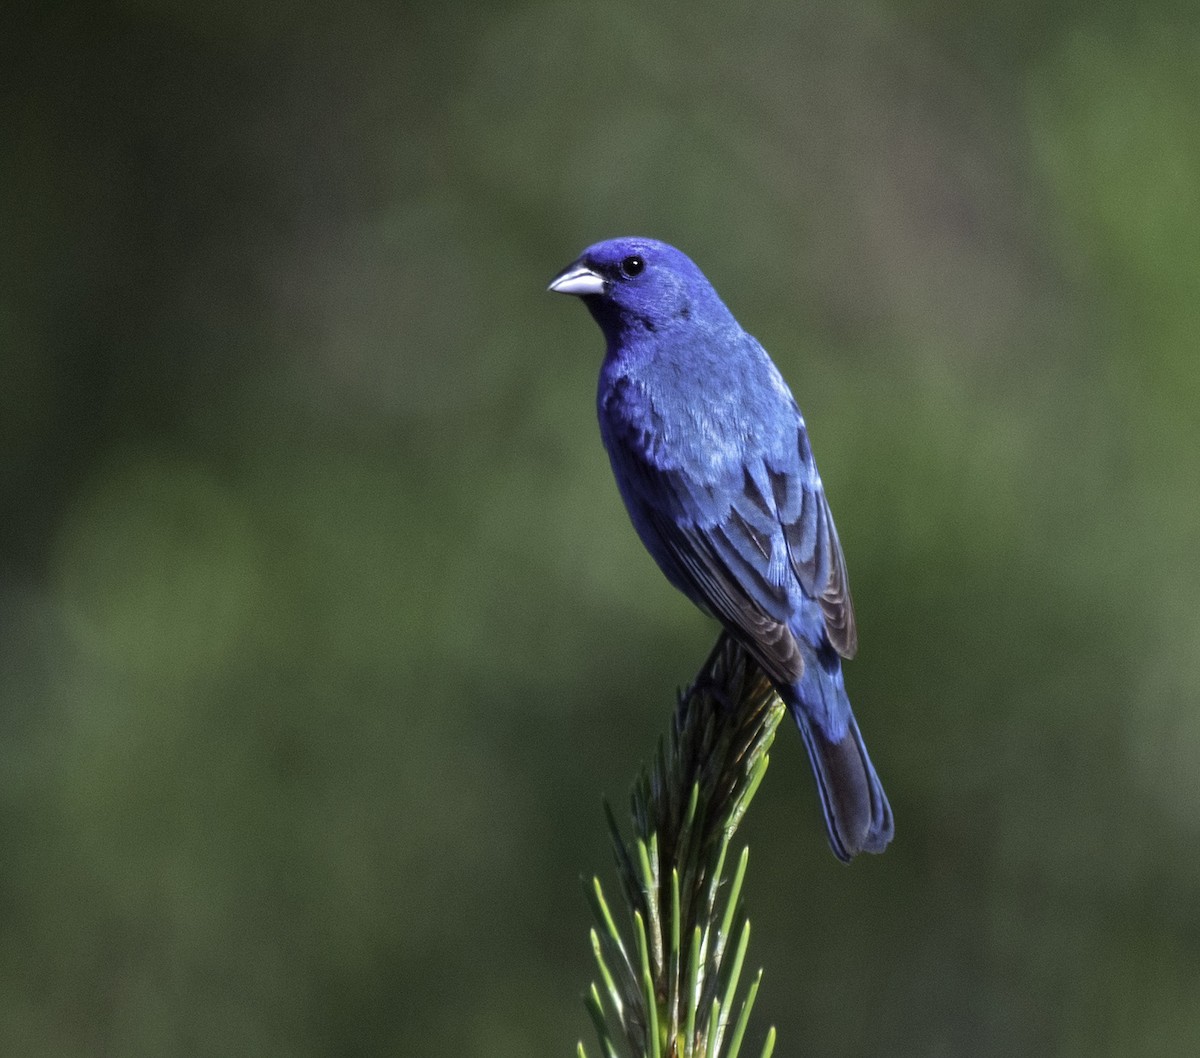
pixel 857 814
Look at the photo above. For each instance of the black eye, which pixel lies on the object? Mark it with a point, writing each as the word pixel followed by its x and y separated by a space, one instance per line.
pixel 632 266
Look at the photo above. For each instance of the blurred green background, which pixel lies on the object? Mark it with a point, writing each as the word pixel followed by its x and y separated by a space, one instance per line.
pixel 322 628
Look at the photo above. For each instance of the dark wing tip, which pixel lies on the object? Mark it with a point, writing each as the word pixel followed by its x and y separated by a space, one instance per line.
pixel 837 606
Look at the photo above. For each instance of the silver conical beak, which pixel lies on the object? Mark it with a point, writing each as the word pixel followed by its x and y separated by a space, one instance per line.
pixel 579 280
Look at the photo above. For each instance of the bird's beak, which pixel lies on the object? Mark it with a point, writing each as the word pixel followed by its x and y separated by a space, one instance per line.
pixel 579 280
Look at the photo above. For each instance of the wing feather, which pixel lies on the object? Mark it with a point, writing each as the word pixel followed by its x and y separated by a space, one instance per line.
pixel 737 546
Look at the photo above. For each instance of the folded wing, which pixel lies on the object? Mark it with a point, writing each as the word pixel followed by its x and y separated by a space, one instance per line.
pixel 740 545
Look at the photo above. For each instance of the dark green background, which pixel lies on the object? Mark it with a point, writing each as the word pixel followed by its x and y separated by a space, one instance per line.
pixel 322 629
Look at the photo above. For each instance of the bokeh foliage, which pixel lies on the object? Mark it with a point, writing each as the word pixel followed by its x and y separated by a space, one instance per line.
pixel 322 629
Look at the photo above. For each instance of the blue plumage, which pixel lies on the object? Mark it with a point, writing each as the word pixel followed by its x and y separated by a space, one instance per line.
pixel 711 457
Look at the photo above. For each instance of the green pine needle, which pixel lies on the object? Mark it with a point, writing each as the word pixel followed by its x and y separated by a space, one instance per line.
pixel 739 1030
pixel 692 996
pixel 769 1046
pixel 657 1000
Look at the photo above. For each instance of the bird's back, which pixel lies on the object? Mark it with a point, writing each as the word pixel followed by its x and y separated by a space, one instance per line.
pixel 697 403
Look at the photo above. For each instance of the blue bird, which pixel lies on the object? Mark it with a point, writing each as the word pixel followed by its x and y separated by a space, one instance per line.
pixel 712 459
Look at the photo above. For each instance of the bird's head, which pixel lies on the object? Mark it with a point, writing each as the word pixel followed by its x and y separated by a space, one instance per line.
pixel 632 284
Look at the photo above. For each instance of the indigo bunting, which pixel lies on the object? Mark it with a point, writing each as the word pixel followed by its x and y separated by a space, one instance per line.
pixel 712 459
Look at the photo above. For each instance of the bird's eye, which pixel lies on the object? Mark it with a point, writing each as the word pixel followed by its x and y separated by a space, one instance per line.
pixel 632 266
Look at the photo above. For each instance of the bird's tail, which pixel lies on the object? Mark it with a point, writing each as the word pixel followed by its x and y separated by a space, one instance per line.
pixel 858 817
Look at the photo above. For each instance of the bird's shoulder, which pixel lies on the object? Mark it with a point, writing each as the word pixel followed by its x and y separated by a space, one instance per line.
pixel 702 404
